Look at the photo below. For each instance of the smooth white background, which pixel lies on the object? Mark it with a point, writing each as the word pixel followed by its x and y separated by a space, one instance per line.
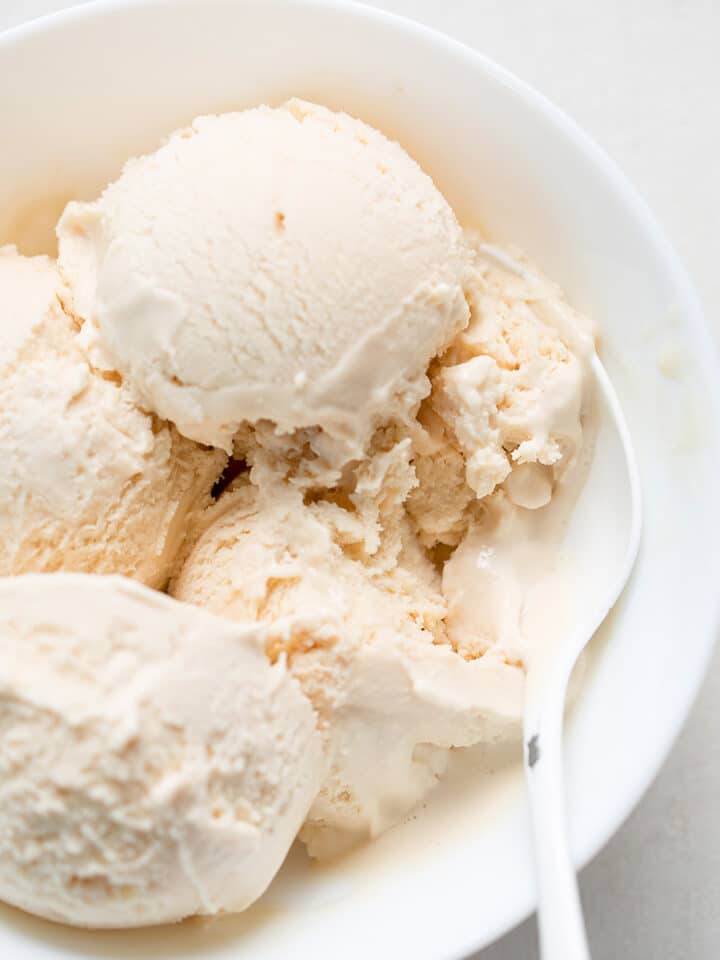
pixel 643 76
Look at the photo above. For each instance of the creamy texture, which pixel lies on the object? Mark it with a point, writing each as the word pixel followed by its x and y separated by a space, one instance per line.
pixel 505 586
pixel 425 578
pixel 408 411
pixel 88 482
pixel 367 649
pixel 153 764
pixel 289 265
pixel 508 397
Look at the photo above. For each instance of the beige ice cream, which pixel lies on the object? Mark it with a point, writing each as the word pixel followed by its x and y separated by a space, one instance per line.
pixel 417 578
pixel 88 482
pixel 508 401
pixel 153 763
pixel 367 647
pixel 288 265
pixel 411 405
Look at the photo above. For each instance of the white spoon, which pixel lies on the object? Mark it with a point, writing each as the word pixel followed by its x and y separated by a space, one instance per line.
pixel 603 535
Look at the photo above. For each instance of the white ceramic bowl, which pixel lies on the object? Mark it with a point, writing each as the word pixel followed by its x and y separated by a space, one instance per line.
pixel 91 87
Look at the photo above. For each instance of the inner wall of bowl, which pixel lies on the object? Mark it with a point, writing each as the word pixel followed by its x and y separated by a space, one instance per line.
pixel 103 84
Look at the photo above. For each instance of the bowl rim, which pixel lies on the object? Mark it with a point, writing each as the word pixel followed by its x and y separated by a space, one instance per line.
pixel 705 352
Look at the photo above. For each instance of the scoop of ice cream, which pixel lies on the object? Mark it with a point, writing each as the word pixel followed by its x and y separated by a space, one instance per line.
pixel 366 647
pixel 153 764
pixel 289 265
pixel 88 482
pixel 508 397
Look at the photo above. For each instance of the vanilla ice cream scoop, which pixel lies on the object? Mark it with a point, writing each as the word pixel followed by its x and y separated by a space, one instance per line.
pixel 282 264
pixel 153 763
pixel 89 482
pixel 367 648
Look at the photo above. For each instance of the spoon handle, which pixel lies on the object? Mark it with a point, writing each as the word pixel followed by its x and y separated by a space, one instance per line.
pixel 560 918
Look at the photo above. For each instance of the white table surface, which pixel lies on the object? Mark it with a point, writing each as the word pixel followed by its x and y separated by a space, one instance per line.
pixel 643 76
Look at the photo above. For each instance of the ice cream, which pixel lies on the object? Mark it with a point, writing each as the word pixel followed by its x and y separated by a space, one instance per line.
pixel 508 400
pixel 421 576
pixel 288 265
pixel 153 763
pixel 89 482
pixel 367 646
pixel 407 411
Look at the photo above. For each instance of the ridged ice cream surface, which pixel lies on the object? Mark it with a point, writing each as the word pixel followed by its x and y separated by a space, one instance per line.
pixel 392 698
pixel 89 482
pixel 286 264
pixel 416 576
pixel 154 765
